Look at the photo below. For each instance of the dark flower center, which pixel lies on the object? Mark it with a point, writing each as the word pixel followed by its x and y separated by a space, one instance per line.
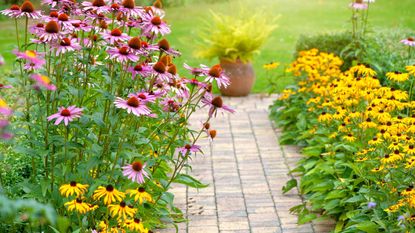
pixel 156 21
pixel 164 45
pixel 123 50
pixel 65 42
pixel 115 6
pixel 141 189
pixel 136 220
pixel 159 67
pixel 65 112
pixel 123 204
pixel 172 69
pixel 212 133
pixel 52 27
pixel 144 44
pixel 217 102
pixel 73 183
pixel 77 25
pixel 1 85
pixel 14 7
pixel 215 71
pixel 411 39
pixel 27 7
pixel 133 102
pixel 128 4
pixel 188 147
pixel 54 14
pixel 134 43
pixel 142 96
pixel 359 1
pixel 79 200
pixel 158 4
pixel 98 3
pixel 411 147
pixel 138 68
pixel 40 25
pixel 109 188
pixel 63 17
pixel 116 32
pixel 137 166
pixel 387 156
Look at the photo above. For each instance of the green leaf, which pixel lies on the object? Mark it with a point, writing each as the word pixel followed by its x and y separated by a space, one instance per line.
pixel 368 227
pixel 189 181
pixel 289 185
pixel 302 219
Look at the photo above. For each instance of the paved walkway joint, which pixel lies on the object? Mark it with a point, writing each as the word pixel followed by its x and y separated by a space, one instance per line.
pixel 246 169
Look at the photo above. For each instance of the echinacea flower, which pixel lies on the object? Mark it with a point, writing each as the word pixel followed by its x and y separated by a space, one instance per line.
pixel 188 149
pixel 140 195
pixel 194 70
pixel 28 10
pixel 66 114
pixel 65 22
pixel 77 205
pixel 358 5
pixel 134 225
pixel 170 105
pixel 31 56
pixel 43 81
pixel 154 25
pixel 129 8
pixel 142 70
pixel 216 73
pixel 51 32
pixel 122 210
pixel 4 108
pixel 97 6
pixel 164 46
pixel 2 86
pixel 72 188
pixel 12 12
pixel 215 104
pixel 146 97
pixel 410 41
pixel 132 105
pixel 109 193
pixel 135 172
pixel 115 35
pixel 160 70
pixel 67 45
pixel 122 54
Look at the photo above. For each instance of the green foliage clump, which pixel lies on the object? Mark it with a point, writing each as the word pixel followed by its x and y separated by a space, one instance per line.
pixel 234 37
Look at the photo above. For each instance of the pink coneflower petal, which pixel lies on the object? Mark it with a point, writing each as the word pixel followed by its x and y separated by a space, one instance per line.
pixel 133 105
pixel 66 115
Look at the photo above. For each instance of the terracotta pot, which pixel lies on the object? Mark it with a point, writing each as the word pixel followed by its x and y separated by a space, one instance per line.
pixel 241 75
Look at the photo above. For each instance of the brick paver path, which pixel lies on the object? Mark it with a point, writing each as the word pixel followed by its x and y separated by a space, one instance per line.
pixel 246 169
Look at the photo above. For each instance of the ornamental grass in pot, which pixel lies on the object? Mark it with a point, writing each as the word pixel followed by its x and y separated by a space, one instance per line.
pixel 234 40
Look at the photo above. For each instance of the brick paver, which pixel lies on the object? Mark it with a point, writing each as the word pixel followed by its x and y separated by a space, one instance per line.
pixel 246 169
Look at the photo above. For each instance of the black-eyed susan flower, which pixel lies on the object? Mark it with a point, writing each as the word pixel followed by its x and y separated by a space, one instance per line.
pixel 72 188
pixel 271 65
pixel 410 191
pixel 397 76
pixel 135 225
pixel 140 195
pixel 121 210
pixel 109 193
pixel 349 137
pixel 375 141
pixel 377 169
pixel 77 205
pixel 411 69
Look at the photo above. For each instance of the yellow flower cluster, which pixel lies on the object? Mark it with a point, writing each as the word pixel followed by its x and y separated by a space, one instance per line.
pixel 377 120
pixel 113 199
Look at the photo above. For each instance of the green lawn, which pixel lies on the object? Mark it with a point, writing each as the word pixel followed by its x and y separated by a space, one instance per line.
pixel 296 17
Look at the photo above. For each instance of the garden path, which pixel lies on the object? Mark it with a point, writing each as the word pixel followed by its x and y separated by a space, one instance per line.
pixel 246 169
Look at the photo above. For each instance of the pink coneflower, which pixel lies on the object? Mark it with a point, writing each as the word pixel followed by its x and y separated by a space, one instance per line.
pixel 2 86
pixel 12 12
pixel 115 35
pixel 135 46
pixel 410 41
pixel 216 73
pixel 66 114
pixel 30 66
pixel 67 45
pixel 81 26
pixel 194 70
pixel 154 25
pixel 188 149
pixel 51 32
pixel 132 105
pixel 43 81
pixel 164 46
pixel 122 54
pixel 4 108
pixel 146 97
pixel 129 8
pixel 97 6
pixel 4 123
pixel 170 105
pixel 65 22
pixel 2 62
pixel 159 69
pixel 37 28
pixel 358 5
pixel 135 172
pixel 34 59
pixel 142 70
pixel 149 47
pixel 28 10
pixel 215 104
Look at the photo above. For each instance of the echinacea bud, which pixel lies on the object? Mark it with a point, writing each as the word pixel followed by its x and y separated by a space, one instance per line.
pixel 128 4
pixel 166 60
pixel 65 42
pixel 217 102
pixel 158 4
pixel 14 7
pixel 115 6
pixel 28 7
pixel 116 32
pixel 120 16
pixel 52 27
pixel 54 14
pixel 63 17
pixel 208 88
pixel 206 125
pixel 172 69
pixel 148 9
pixel 212 133
pixel 98 3
pixel 215 71
pixel 164 45
pixel 134 43
pixel 156 21
pixel 123 50
pixel 103 25
pixel 159 67
pixel 40 25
